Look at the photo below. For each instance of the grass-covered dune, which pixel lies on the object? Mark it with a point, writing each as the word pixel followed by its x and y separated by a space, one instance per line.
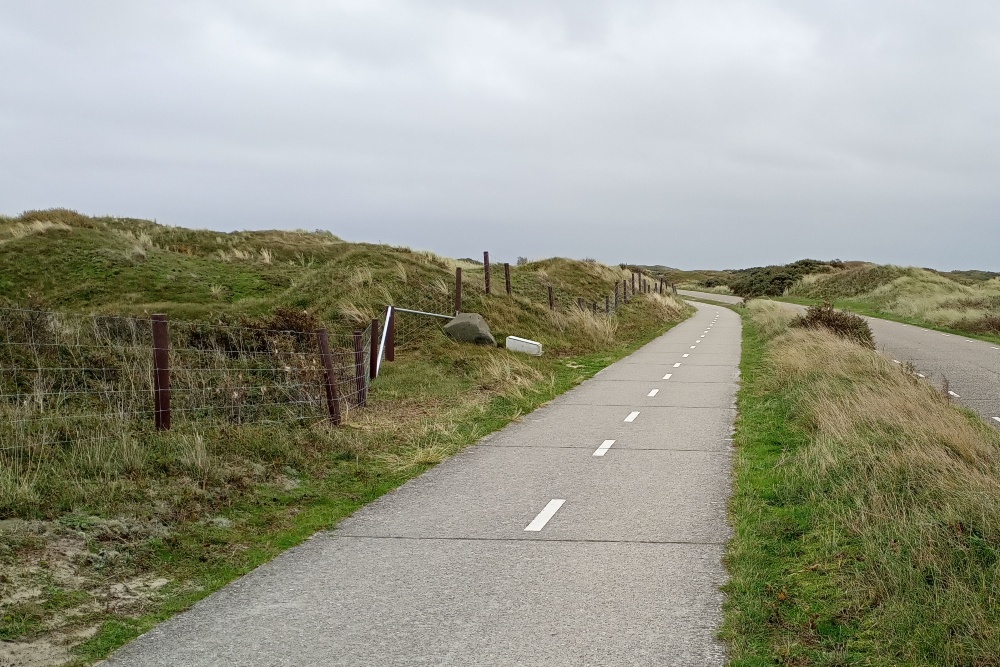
pixel 102 538
pixel 954 301
pixel 866 510
pixel 961 301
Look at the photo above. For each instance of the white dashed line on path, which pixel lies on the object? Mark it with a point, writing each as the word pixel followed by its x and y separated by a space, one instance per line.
pixel 605 446
pixel 668 376
pixel 693 346
pixel 895 361
pixel 677 365
pixel 543 517
pixel 953 394
pixel 920 375
pixel 653 392
pixel 996 419
pixel 631 416
pixel 685 356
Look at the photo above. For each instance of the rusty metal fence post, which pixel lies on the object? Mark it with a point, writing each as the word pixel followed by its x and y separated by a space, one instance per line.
pixel 161 372
pixel 486 270
pixel 373 352
pixel 330 383
pixel 359 367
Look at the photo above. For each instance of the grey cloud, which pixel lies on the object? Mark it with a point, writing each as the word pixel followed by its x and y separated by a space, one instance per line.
pixel 686 133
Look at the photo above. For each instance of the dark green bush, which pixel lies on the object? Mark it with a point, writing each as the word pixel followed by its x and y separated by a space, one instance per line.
pixel 845 325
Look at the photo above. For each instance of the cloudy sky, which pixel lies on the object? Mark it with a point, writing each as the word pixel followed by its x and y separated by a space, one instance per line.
pixel 695 133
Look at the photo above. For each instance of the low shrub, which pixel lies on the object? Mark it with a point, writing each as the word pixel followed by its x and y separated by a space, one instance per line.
pixel 845 325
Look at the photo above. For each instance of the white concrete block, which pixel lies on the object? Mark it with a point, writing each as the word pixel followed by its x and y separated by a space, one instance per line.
pixel 531 347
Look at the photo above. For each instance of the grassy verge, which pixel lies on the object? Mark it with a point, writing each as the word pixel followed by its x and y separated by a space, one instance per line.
pixel 865 511
pixel 870 310
pixel 105 546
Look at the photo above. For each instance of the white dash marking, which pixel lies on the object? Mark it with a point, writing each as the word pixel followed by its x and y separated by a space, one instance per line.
pixel 677 365
pixel 951 393
pixel 996 419
pixel 605 446
pixel 967 340
pixel 631 416
pixel 653 392
pixel 693 346
pixel 543 517
pixel 921 375
pixel 668 376
pixel 685 356
pixel 698 341
pixel 895 361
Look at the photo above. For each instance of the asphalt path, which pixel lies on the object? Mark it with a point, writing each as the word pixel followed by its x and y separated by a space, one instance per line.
pixel 589 533
pixel 967 368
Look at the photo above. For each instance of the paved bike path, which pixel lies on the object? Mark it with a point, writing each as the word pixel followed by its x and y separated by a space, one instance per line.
pixel 625 570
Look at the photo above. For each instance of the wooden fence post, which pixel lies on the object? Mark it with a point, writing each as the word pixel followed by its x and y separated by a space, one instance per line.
pixel 506 276
pixel 161 372
pixel 593 307
pixel 607 305
pixel 616 294
pixel 486 270
pixel 552 300
pixel 458 290
pixel 359 367
pixel 373 352
pixel 579 303
pixel 332 393
pixel 390 337
pixel 633 283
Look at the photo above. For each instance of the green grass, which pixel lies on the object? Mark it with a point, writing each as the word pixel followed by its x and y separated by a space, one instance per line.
pixel 776 588
pixel 864 511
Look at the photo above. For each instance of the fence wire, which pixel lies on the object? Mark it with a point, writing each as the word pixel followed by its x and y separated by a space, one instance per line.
pixel 67 378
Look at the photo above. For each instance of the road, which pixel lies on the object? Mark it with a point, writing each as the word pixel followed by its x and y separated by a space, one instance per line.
pixel 968 368
pixel 589 533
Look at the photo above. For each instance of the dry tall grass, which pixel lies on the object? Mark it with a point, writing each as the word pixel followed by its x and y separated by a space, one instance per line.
pixel 599 328
pixel 908 490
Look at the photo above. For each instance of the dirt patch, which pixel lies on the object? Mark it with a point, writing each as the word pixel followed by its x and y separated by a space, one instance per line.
pixel 41 653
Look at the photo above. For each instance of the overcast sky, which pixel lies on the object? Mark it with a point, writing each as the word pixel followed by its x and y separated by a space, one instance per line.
pixel 697 134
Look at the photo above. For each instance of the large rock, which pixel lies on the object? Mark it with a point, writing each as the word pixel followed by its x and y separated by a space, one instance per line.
pixel 470 328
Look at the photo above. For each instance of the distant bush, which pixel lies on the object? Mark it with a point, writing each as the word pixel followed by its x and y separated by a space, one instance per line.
pixel 773 280
pixel 845 325
pixel 521 261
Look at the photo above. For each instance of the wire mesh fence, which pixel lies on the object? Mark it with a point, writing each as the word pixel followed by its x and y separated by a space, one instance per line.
pixel 67 378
